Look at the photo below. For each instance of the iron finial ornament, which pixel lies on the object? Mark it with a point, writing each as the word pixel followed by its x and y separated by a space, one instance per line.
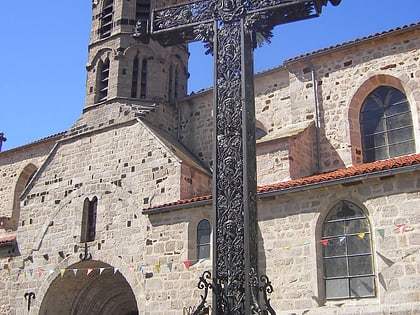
pixel 231 30
pixel 29 296
pixel 85 255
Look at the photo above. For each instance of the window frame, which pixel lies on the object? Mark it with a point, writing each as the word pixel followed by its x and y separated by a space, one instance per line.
pixel 203 246
pixel 88 228
pixel 387 108
pixel 337 252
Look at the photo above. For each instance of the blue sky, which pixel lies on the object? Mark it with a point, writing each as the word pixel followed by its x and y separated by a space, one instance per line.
pixel 44 52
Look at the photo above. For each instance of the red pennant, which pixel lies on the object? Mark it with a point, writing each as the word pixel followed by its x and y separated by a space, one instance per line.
pixel 89 271
pixel 187 264
pixel 41 271
pixel 324 242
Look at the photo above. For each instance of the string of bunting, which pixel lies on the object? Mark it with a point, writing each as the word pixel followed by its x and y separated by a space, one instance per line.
pixel 400 228
pixel 87 271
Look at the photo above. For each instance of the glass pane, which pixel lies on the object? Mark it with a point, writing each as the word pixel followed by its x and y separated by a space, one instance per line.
pixel 357 226
pixel 362 287
pixel 358 244
pixel 401 148
pixel 379 139
pixel 335 247
pixel 333 229
pixel 335 267
pixel 203 252
pixel 400 135
pixel 337 288
pixel 360 265
pixel 203 238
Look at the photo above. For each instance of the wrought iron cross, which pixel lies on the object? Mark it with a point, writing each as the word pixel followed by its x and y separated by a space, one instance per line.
pixel 231 29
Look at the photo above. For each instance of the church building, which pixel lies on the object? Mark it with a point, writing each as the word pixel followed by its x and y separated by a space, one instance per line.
pixel 114 215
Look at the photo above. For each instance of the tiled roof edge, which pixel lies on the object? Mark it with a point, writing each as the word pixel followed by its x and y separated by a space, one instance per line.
pixel 348 174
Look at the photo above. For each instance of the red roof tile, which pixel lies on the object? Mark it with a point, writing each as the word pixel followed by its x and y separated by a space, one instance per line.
pixel 7 239
pixel 353 171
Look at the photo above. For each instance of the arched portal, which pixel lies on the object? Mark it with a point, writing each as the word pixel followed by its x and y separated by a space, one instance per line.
pixel 89 287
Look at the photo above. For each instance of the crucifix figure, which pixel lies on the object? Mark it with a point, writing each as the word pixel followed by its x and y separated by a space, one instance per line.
pixel 2 139
pixel 231 30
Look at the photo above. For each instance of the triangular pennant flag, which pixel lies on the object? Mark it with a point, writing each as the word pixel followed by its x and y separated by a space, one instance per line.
pixel 381 233
pixel 101 270
pixel 40 272
pixel 24 274
pixel 169 264
pixel 342 239
pixel 306 243
pixel 142 268
pixel 401 227
pixel 116 270
pixel 50 272
pixel 324 242
pixel 130 268
pixel 75 272
pixel 361 234
pixel 269 250
pixel 187 264
pixel 89 271
pixel 157 266
pixel 31 271
pixel 287 247
pixel 1 268
pixel 62 271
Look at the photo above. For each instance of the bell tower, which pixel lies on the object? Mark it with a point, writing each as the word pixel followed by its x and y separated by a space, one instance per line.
pixel 121 69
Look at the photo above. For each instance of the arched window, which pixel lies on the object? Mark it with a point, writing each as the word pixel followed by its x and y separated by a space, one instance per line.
pixel 347 253
pixel 386 125
pixel 203 239
pixel 103 74
pixel 135 76
pixel 106 19
pixel 89 220
pixel 143 79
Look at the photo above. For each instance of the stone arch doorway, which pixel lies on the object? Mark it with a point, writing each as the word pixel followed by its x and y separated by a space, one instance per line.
pixel 101 292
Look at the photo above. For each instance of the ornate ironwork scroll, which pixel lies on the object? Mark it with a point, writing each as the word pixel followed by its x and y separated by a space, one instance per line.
pixel 231 29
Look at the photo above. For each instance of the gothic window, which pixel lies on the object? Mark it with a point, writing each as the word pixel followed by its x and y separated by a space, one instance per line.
pixel 143 79
pixel 89 220
pixel 347 253
pixel 386 125
pixel 142 10
pixel 134 80
pixel 103 73
pixel 203 239
pixel 106 19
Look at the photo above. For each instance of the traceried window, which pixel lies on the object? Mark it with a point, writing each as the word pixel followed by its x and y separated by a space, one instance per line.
pixel 386 125
pixel 106 19
pixel 203 239
pixel 103 73
pixel 347 253
pixel 89 220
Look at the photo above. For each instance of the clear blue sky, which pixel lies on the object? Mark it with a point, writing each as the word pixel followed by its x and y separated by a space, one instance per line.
pixel 44 51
